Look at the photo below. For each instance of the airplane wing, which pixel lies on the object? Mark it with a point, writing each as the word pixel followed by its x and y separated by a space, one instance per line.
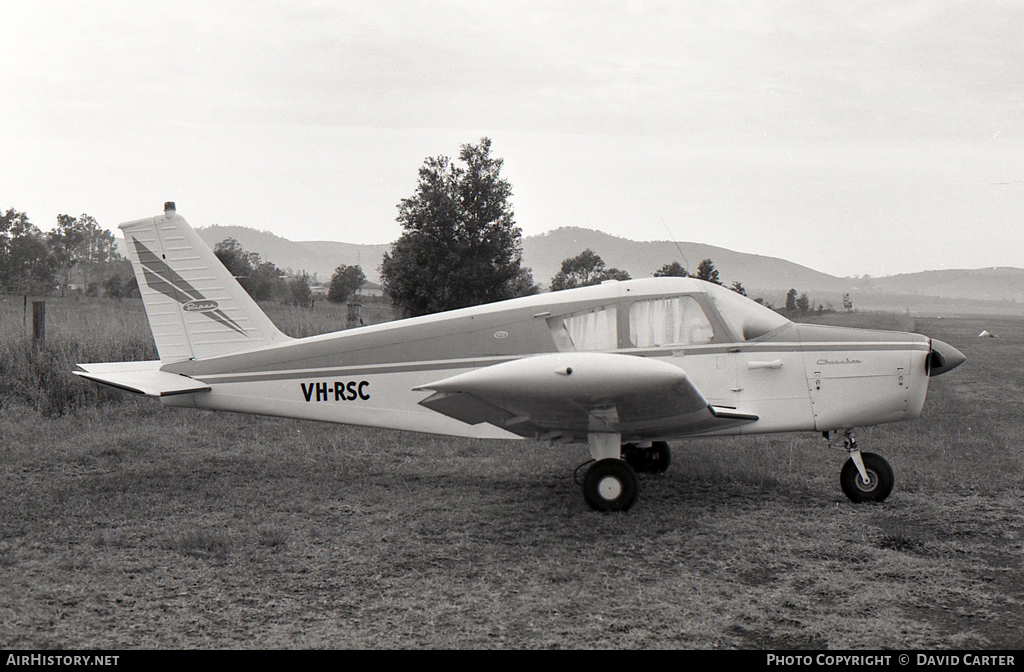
pixel 567 396
pixel 141 378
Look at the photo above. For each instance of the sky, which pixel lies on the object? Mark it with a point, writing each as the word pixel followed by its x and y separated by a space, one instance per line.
pixel 853 137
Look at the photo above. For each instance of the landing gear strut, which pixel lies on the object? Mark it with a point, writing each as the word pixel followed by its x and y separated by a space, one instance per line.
pixel 865 477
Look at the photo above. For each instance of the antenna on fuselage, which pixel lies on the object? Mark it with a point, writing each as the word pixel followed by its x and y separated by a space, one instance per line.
pixel 676 243
pixel 703 289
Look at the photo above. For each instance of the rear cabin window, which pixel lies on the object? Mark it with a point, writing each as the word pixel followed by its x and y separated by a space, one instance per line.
pixel 594 329
pixel 677 320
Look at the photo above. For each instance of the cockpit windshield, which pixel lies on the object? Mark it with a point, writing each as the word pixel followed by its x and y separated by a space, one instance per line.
pixel 748 319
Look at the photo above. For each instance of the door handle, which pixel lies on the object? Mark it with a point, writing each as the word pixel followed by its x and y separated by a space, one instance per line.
pixel 774 364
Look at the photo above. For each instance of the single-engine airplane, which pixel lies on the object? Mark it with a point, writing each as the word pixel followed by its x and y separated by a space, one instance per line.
pixel 623 366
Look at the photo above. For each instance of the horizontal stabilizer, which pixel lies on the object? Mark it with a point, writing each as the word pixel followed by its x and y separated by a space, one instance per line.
pixel 141 378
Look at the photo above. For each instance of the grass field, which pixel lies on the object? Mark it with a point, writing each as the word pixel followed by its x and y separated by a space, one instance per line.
pixel 126 525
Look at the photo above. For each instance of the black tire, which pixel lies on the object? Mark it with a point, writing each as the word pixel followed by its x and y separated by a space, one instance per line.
pixel 876 489
pixel 610 485
pixel 663 456
pixel 653 460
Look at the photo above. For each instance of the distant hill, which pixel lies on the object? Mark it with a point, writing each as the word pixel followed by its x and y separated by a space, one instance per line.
pixel 312 256
pixel 991 284
pixel 545 253
pixel 960 291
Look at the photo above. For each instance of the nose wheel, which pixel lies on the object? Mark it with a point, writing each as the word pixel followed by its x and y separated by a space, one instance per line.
pixel 876 487
pixel 865 477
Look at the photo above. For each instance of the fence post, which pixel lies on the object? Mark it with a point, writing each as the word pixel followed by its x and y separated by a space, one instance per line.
pixel 353 319
pixel 38 323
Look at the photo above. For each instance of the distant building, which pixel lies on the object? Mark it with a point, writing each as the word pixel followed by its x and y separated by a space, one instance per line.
pixel 371 289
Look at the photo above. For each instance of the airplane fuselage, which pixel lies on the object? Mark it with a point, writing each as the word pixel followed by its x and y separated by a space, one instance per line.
pixel 793 377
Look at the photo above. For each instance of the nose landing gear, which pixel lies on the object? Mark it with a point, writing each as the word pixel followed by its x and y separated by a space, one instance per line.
pixel 865 477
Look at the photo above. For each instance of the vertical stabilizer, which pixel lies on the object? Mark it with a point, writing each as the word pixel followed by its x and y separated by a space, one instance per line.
pixel 195 308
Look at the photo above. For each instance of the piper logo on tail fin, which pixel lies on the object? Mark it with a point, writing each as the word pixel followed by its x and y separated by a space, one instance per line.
pixel 199 306
pixel 162 278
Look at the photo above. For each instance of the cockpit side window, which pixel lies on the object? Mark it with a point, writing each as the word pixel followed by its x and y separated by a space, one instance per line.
pixel 595 329
pixel 747 318
pixel 675 320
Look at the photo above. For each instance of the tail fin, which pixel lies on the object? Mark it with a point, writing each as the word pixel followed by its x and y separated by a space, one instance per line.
pixel 195 308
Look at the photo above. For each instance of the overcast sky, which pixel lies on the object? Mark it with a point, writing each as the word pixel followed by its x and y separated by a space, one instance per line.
pixel 851 137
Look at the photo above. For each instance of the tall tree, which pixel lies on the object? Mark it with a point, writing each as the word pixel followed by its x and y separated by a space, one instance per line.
pixel 98 253
pixel 585 269
pixel 81 243
pixel 261 279
pixel 65 242
pixel 235 258
pixel 706 271
pixel 673 270
pixel 524 284
pixel 25 261
pixel 460 246
pixel 791 301
pixel 345 282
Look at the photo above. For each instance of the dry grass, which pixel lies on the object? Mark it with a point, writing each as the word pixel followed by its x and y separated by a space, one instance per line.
pixel 126 525
pixel 77 330
pixel 84 329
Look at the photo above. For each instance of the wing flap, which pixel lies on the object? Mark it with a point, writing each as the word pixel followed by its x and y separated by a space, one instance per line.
pixel 467 408
pixel 728 413
pixel 141 378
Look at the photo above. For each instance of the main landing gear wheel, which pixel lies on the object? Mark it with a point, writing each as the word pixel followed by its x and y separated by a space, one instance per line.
pixel 879 483
pixel 610 485
pixel 653 460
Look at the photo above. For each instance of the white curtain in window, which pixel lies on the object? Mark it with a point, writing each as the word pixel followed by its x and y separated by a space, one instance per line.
pixel 670 321
pixel 586 330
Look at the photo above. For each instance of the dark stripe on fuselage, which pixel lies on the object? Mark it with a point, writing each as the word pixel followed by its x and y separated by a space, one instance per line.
pixel 474 363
